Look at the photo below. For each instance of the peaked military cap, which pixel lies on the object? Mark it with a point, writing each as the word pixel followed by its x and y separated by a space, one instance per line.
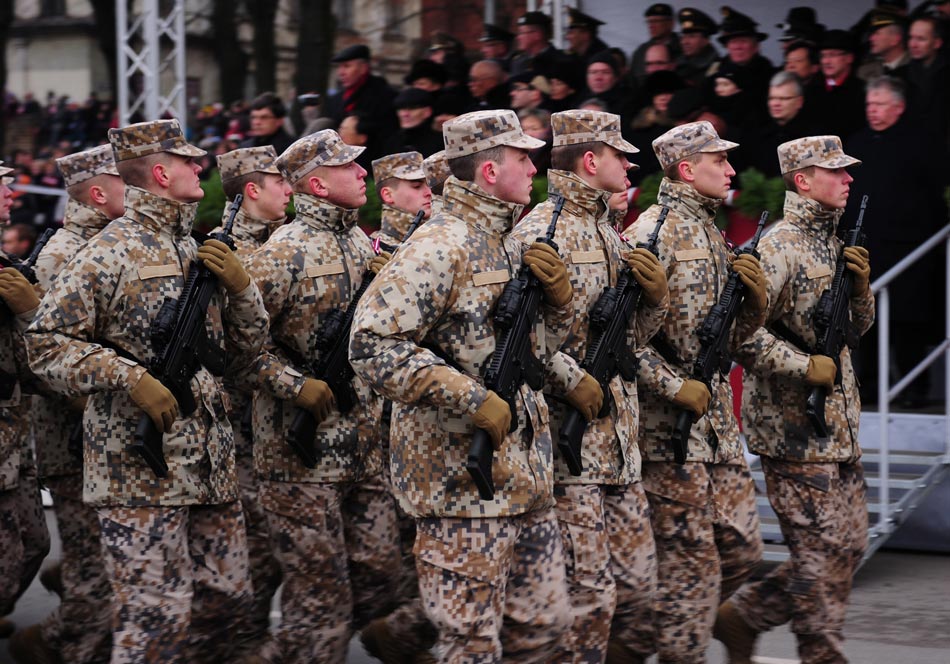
pixel 426 68
pixel 821 151
pixel 442 41
pixel 4 172
pixel 402 165
pixel 85 165
pixel 659 9
pixel 354 52
pixel 145 138
pixel 736 24
pixel 492 33
pixel 536 18
pixel 686 140
pixel 436 168
pixel 801 25
pixel 240 162
pixel 483 130
pixel 323 148
pixel 693 20
pixel 578 19
pixel 883 17
pixel 581 126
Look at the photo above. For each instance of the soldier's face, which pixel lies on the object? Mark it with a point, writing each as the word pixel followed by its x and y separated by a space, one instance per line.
pixel 830 187
pixel 411 196
pixel 612 167
pixel 742 49
pixel 183 183
pixel 6 202
pixel 274 195
pixel 345 185
pixel 513 177
pixel 712 174
pixel 693 42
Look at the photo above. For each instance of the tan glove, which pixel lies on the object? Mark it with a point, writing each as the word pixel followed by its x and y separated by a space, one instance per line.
pixel 649 273
pixel 78 404
pixel 821 372
pixel 225 264
pixel 493 416
pixel 17 292
pixel 376 263
pixel 587 397
pixel 750 273
pixel 317 397
pixel 156 400
pixel 548 267
pixel 694 395
pixel 858 260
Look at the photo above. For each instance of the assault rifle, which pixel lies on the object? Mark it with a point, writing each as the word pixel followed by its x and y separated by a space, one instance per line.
pixel 181 346
pixel 714 341
pixel 607 352
pixel 833 324
pixel 512 363
pixel 333 368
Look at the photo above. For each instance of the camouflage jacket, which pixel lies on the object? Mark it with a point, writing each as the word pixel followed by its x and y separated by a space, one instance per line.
pixel 52 419
pixel 437 204
pixel 14 421
pixel 439 293
pixel 799 256
pixel 697 260
pixel 392 228
pixel 97 317
pixel 594 253
pixel 307 269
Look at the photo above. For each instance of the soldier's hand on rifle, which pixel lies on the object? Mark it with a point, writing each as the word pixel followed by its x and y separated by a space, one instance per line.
pixel 317 397
pixel 548 267
pixel 377 262
pixel 17 291
pixel 694 395
pixel 821 372
pixel 78 404
pixel 750 272
pixel 858 260
pixel 494 416
pixel 225 265
pixel 156 400
pixel 587 397
pixel 649 273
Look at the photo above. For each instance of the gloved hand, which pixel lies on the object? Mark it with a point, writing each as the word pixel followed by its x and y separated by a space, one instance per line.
pixel 587 397
pixel 78 404
pixel 225 264
pixel 493 416
pixel 377 262
pixel 156 400
pixel 649 273
pixel 17 292
pixel 821 372
pixel 750 273
pixel 315 396
pixel 694 395
pixel 858 260
pixel 548 267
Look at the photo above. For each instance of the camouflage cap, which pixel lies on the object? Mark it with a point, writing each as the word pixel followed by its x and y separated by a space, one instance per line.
pixel 323 148
pixel 4 169
pixel 87 164
pixel 5 178
pixel 483 130
pixel 402 165
pixel 579 126
pixel 240 162
pixel 437 170
pixel 823 151
pixel 145 138
pixel 688 139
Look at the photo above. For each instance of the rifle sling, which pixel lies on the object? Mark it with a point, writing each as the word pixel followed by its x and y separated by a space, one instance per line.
pixel 786 334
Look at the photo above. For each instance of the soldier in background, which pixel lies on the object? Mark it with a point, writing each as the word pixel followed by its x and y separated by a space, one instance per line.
pixel 437 172
pixel 491 573
pixel 582 35
pixel 815 485
pixel 659 20
pixel 705 520
pixel 535 51
pixel 698 52
pixel 495 44
pixel 175 547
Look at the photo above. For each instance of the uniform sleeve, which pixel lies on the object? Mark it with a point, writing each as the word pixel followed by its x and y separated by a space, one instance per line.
pixel 245 328
pixel 648 321
pixel 862 312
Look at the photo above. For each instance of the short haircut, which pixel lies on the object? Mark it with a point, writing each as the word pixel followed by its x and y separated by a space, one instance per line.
pixel 673 170
pixel 271 102
pixel 23 232
pixel 138 172
pixel 464 167
pixel 895 86
pixel 541 115
pixel 565 157
pixel 235 186
pixel 789 178
pixel 935 25
pixel 814 57
pixel 390 182
pixel 595 101
pixel 787 78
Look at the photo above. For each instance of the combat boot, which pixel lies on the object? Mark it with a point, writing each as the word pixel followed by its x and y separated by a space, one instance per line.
pixel 52 579
pixel 735 634
pixel 620 653
pixel 6 628
pixel 380 642
pixel 28 647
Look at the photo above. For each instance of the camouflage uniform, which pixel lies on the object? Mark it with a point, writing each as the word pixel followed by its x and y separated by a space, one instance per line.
pixel 491 573
pixel 333 526
pixel 816 485
pixel 705 521
pixel 437 172
pixel 175 548
pixel 394 222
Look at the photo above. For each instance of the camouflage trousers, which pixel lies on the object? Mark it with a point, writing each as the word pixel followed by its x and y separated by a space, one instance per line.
pixel 608 549
pixel 180 583
pixel 494 588
pixel 80 628
pixel 822 509
pixel 706 527
pixel 339 552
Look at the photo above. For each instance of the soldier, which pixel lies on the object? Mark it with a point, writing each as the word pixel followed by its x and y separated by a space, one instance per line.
pixel 704 517
pixel 603 513
pixel 437 172
pixel 79 630
pixel 491 572
pixel 581 34
pixel 815 485
pixel 402 188
pixel 175 548
pixel 698 52
pixel 333 525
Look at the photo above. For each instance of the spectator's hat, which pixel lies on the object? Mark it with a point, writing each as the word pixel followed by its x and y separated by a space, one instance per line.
pixel 483 130
pixel 689 139
pixel 578 19
pixel 145 138
pixel 838 40
pixel 426 68
pixel 686 104
pixel 85 165
pixel 693 20
pixel 442 41
pixel 659 9
pixel 570 70
pixel 412 98
pixel 579 126
pixel 883 17
pixel 402 165
pixel 823 151
pixel 436 168
pixel 801 24
pixel 607 58
pixel 324 148
pixel 354 52
pixel 539 19
pixel 736 24
pixel 240 162
pixel 532 80
pixel 493 33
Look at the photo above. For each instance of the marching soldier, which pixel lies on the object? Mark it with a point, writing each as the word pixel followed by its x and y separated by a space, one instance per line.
pixel 815 485
pixel 705 522
pixel 175 547
pixel 402 188
pixel 437 172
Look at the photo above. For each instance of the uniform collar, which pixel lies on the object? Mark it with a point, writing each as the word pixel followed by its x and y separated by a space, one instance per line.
pixel 469 202
pixel 810 215
pixel 251 229
pixel 580 199
pixel 683 199
pixel 158 213
pixel 394 223
pixel 82 219
pixel 323 215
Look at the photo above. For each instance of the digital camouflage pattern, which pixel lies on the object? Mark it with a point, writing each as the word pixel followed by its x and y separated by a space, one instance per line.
pixel 5 170
pixel 685 140
pixel 436 168
pixel 402 165
pixel 324 148
pixel 393 225
pixel 146 138
pixel 823 151
pixel 244 161
pixel 85 165
pixel 483 130
pixel 578 126
pixel 14 421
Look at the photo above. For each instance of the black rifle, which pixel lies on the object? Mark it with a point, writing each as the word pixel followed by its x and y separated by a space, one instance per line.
pixel 714 343
pixel 512 363
pixel 181 346
pixel 607 351
pixel 833 324
pixel 24 267
pixel 333 368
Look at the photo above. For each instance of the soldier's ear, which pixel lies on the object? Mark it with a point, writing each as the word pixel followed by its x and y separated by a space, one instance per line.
pixel 97 195
pixel 489 171
pixel 386 195
pixel 252 191
pixel 589 162
pixel 317 186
